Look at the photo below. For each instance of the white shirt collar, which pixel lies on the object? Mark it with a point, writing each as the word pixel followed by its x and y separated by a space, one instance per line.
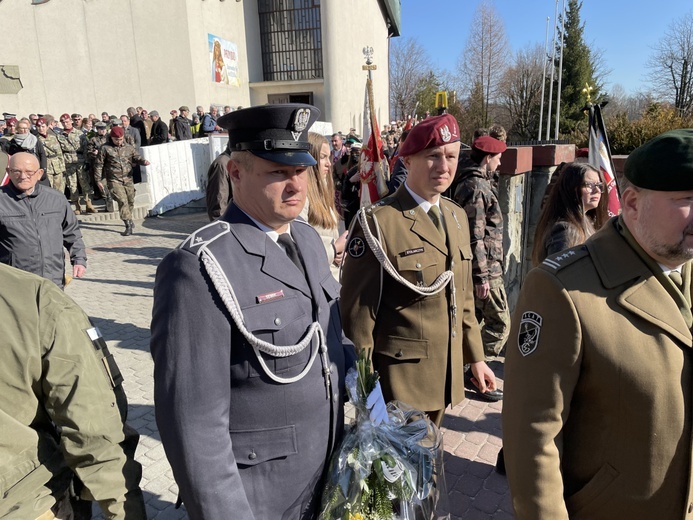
pixel 423 203
pixel 269 231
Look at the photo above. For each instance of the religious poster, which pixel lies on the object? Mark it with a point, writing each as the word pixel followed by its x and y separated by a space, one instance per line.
pixel 223 57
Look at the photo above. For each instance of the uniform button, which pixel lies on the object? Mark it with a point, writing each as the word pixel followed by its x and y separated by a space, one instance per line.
pixel 335 397
pixel 452 263
pixel 418 266
pixel 454 333
pixel 252 455
pixel 399 354
pixel 690 508
pixel 277 321
pixel 411 212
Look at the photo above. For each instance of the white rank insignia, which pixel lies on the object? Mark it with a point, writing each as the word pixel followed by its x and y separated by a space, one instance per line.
pixel 445 134
pixel 528 336
pixel 356 247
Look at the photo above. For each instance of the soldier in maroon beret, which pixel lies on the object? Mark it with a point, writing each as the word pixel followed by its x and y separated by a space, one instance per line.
pixel 409 269
pixel 477 193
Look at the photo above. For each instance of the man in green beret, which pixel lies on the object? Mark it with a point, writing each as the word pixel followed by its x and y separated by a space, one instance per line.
pixel 599 367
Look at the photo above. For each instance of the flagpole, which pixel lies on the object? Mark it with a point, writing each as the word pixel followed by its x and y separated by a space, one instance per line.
pixel 543 79
pixel 553 66
pixel 560 74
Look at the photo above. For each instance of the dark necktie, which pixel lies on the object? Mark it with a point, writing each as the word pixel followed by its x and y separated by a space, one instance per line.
pixel 291 251
pixel 434 215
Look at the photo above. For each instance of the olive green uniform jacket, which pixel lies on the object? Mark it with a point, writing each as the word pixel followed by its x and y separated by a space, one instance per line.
pixel 58 409
pixel 598 390
pixel 418 348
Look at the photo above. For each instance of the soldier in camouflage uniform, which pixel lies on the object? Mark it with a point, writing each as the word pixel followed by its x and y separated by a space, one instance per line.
pixel 115 161
pixel 74 143
pixel 94 144
pixel 476 194
pixel 55 164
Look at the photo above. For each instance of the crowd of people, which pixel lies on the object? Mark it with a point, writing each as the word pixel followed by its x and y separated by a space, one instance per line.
pixel 258 315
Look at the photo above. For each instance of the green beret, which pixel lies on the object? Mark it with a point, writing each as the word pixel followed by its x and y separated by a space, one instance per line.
pixel 664 163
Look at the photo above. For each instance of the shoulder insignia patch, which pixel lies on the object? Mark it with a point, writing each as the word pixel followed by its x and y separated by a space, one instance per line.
pixel 565 258
pixel 205 235
pixel 356 247
pixel 528 335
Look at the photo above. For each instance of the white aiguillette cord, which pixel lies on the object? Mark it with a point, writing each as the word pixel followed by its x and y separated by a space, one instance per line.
pixel 445 278
pixel 437 285
pixel 225 290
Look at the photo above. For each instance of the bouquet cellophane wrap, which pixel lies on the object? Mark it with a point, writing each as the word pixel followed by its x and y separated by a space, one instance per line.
pixel 389 471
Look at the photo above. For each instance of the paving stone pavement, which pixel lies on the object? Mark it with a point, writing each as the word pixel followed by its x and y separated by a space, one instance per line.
pixel 117 295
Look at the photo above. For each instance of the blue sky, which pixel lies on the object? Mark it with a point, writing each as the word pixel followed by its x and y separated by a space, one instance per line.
pixel 625 30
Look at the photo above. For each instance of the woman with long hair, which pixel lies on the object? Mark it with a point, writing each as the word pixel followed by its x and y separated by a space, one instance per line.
pixel 574 210
pixel 320 211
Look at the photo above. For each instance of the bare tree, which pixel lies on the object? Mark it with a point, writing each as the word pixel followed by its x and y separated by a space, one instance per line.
pixel 671 64
pixel 409 66
pixel 520 92
pixel 484 59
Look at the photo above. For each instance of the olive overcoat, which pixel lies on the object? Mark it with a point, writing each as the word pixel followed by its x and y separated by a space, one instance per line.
pixel 598 390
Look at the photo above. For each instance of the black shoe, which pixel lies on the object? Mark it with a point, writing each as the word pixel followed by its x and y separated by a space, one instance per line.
pixel 492 396
pixel 500 463
pixel 128 230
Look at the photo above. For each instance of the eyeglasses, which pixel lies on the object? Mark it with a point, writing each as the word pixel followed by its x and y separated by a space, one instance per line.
pixel 591 186
pixel 19 173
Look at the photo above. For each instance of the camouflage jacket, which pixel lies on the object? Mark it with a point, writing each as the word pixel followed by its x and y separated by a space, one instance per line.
pixel 73 145
pixel 115 163
pixel 476 195
pixel 94 145
pixel 54 153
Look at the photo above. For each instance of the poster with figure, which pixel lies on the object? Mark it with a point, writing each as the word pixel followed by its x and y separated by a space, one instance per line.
pixel 223 57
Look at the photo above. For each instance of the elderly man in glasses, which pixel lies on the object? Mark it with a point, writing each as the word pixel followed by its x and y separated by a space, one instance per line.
pixel 36 223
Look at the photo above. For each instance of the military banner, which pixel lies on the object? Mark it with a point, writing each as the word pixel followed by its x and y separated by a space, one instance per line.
pixel 373 167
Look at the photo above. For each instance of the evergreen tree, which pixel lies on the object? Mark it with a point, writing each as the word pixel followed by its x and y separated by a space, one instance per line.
pixel 579 70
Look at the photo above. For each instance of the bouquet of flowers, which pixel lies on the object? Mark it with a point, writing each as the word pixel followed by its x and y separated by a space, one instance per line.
pixel 390 462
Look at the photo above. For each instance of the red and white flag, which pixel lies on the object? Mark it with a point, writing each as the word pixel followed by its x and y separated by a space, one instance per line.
pixel 600 157
pixel 373 166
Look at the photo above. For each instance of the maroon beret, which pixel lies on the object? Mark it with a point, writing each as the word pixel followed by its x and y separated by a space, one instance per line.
pixel 117 131
pixel 488 144
pixel 429 133
pixel 65 116
pixel 12 121
pixel 41 121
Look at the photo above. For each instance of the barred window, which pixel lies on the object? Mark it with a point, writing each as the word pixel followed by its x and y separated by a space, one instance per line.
pixel 291 39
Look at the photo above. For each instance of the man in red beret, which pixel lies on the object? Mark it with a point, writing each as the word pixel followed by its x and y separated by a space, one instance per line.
pixel 407 281
pixel 114 161
pixel 476 193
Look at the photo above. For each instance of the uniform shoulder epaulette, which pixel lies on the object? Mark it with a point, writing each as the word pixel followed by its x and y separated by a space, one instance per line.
pixel 205 236
pixel 448 199
pixel 556 262
pixel 382 202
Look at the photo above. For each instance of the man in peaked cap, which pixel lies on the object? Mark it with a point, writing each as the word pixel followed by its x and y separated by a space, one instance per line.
pixel 421 332
pixel 597 418
pixel 249 359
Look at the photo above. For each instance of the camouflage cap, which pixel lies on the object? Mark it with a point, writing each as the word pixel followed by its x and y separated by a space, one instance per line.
pixel 664 163
pixel 100 125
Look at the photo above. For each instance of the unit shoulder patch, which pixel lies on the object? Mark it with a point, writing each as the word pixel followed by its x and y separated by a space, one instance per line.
pixel 356 247
pixel 528 334
pixel 556 262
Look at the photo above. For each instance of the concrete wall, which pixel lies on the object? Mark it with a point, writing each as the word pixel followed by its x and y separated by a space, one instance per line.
pixel 345 32
pixel 77 56
pixel 93 56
